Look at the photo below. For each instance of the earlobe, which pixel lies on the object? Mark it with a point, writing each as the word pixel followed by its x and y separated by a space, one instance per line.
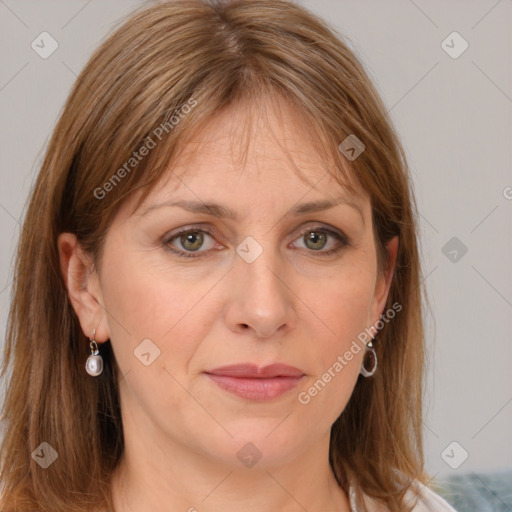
pixel 82 285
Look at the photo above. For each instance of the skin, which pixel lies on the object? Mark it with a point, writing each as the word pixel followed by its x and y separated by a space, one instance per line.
pixel 290 305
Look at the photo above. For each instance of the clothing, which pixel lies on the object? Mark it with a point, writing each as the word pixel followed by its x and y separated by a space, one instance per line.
pixel 427 501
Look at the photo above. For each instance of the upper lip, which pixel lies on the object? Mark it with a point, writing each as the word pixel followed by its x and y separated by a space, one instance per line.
pixel 251 371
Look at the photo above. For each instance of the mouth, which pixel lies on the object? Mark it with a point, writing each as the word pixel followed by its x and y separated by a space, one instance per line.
pixel 257 384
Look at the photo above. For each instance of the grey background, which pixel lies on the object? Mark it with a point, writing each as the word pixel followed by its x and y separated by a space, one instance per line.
pixel 454 118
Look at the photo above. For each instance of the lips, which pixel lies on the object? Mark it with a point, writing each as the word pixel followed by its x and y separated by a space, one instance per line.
pixel 258 384
pixel 251 371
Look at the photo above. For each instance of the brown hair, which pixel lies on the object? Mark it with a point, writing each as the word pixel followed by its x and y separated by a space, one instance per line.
pixel 207 55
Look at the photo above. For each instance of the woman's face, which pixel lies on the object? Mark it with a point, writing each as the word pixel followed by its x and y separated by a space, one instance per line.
pixel 267 286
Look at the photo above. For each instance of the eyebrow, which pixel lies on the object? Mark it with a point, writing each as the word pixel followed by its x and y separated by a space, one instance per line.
pixel 223 212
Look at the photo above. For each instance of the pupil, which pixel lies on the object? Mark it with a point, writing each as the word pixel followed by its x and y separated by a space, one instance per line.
pixel 190 238
pixel 314 237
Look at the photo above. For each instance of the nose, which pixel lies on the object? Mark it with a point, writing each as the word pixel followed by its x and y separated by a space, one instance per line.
pixel 259 298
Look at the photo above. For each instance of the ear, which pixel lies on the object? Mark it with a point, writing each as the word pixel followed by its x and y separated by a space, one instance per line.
pixel 384 280
pixel 83 286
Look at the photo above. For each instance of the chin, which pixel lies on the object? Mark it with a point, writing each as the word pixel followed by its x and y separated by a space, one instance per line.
pixel 255 443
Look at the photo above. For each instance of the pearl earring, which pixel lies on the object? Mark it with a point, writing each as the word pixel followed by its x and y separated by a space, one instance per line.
pixel 94 363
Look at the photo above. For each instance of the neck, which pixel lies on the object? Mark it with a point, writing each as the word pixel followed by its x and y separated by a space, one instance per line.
pixel 176 478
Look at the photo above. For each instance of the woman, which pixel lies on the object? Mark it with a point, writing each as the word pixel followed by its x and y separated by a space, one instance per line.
pixel 217 294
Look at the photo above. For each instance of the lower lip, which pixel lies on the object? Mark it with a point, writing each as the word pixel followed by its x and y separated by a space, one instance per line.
pixel 258 390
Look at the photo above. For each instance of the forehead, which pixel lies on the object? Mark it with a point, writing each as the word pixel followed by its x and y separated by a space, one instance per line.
pixel 265 142
pixel 253 152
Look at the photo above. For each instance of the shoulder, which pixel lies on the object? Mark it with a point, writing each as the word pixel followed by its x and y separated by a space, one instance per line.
pixel 428 500
pixel 419 496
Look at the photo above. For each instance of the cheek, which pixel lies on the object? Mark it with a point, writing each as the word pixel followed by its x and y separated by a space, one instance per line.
pixel 344 302
pixel 142 304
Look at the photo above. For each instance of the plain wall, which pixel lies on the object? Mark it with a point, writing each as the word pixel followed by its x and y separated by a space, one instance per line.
pixel 454 119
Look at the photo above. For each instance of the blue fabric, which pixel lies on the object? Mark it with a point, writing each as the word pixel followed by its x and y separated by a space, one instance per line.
pixel 477 491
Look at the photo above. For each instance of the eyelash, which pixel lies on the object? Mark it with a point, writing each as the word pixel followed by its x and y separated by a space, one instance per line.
pixel 341 237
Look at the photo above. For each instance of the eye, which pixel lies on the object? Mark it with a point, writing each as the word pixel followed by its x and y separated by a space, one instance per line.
pixel 316 239
pixel 189 241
